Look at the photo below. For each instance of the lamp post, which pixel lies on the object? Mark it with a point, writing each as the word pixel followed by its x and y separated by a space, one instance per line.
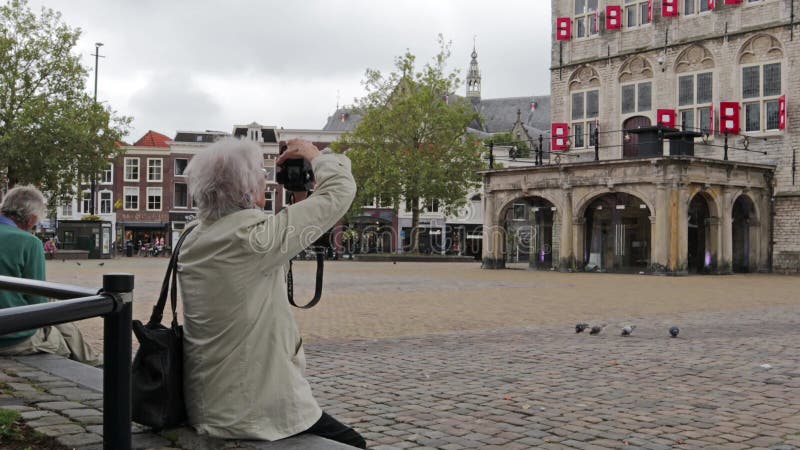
pixel 97 46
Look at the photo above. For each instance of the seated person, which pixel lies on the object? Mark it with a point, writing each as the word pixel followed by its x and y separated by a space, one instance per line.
pixel 22 256
pixel 243 355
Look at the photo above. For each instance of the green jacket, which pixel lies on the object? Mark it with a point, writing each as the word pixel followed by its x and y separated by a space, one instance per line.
pixel 22 256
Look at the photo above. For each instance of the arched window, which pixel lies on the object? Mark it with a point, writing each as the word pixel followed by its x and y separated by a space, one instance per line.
pixel 760 60
pixel 584 86
pixel 636 86
pixel 694 67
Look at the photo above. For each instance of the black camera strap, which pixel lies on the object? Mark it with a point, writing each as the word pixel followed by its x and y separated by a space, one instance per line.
pixel 317 288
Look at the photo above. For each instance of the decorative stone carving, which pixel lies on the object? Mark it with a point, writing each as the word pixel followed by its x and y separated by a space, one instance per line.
pixel 635 69
pixel 694 58
pixel 760 48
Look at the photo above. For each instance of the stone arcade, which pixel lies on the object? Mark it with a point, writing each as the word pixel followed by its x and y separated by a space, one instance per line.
pixel 665 214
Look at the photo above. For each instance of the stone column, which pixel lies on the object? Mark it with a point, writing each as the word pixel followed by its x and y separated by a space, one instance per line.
pixel 493 236
pixel 683 230
pixel 579 241
pixel 566 253
pixel 660 235
pixel 726 232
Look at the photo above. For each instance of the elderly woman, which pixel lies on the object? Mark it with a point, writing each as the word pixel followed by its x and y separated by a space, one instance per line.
pixel 243 354
pixel 22 256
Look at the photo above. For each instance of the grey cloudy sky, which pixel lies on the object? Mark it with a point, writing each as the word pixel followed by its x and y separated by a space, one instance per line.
pixel 202 64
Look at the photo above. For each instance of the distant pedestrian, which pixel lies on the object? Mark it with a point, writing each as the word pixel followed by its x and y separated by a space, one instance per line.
pixel 22 256
pixel 50 248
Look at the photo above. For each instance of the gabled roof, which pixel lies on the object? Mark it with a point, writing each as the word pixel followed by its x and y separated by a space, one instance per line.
pixel 344 119
pixel 153 139
pixel 499 114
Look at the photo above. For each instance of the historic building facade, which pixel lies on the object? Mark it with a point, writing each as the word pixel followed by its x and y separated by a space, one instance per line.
pixel 689 106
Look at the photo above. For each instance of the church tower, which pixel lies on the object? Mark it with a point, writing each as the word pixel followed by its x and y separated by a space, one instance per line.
pixel 474 79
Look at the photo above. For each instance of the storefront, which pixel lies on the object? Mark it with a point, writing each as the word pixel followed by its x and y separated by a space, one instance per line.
pixel 177 223
pixel 92 236
pixel 143 234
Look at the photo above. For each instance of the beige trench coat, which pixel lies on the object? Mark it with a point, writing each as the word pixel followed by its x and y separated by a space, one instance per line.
pixel 243 356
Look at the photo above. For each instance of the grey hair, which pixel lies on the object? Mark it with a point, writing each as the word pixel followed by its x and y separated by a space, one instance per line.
pixel 223 177
pixel 23 202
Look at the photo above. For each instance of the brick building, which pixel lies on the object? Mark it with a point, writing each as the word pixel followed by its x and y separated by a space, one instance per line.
pixel 672 87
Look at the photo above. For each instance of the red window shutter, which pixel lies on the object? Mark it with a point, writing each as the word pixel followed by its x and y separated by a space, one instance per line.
pixel 666 117
pixel 669 8
pixel 563 29
pixel 649 11
pixel 560 134
pixel 729 117
pixel 732 2
pixel 613 17
pixel 710 4
pixel 782 112
pixel 711 120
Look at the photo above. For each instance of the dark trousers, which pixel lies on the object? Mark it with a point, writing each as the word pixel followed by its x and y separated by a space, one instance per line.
pixel 332 429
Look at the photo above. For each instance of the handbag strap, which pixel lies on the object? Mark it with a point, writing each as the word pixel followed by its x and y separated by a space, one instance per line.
pixel 158 309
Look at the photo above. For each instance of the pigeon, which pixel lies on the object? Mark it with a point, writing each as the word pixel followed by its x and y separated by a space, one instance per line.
pixel 673 331
pixel 627 330
pixel 102 264
pixel 596 329
pixel 76 262
pixel 579 328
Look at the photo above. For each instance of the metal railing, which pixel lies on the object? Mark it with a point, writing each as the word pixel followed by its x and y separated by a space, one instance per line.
pixel 115 303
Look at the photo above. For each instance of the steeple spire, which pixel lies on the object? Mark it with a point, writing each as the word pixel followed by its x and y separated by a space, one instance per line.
pixel 474 76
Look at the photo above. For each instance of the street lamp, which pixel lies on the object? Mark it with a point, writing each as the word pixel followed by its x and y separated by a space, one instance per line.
pixel 97 46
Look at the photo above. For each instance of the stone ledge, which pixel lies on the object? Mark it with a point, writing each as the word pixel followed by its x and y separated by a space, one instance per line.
pixel 91 378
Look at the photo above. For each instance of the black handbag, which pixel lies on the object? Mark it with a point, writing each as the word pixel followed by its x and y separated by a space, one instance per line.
pixel 157 370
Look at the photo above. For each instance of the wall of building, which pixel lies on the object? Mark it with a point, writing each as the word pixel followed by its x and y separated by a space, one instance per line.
pixel 724 35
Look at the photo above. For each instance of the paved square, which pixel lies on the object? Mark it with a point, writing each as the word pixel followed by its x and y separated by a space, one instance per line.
pixel 450 356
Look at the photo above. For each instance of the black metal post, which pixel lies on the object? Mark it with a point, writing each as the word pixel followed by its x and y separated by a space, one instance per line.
pixel 725 147
pixel 491 154
pixel 93 186
pixel 117 364
pixel 596 144
pixel 541 150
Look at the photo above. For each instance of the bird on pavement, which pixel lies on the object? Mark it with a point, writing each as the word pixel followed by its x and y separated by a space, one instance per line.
pixel 76 262
pixel 102 264
pixel 673 331
pixel 627 330
pixel 581 327
pixel 596 329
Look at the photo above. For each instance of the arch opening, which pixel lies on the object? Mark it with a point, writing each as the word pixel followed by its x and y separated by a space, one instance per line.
pixel 618 234
pixel 744 232
pixel 530 226
pixel 703 230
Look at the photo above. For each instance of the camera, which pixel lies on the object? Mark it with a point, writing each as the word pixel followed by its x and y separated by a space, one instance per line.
pixel 295 174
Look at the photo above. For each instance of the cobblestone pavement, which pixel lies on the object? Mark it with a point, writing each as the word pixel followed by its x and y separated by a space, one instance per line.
pixel 449 356
pixel 547 387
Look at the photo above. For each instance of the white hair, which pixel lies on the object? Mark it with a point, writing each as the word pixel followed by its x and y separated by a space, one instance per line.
pixel 22 203
pixel 223 178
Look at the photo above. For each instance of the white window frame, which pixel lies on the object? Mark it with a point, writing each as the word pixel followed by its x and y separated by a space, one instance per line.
pixel 160 162
pixel 184 167
pixel 694 107
pixel 270 201
pixel 586 123
pixel 698 6
pixel 154 192
pixel 586 18
pixel 130 166
pixel 130 191
pixel 85 203
pixel 175 196
pixel 108 174
pixel 640 6
pixel 637 111
pixel 110 201
pixel 269 167
pixel 762 100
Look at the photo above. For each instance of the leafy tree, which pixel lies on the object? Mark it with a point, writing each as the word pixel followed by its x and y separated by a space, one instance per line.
pixel 51 131
pixel 412 142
